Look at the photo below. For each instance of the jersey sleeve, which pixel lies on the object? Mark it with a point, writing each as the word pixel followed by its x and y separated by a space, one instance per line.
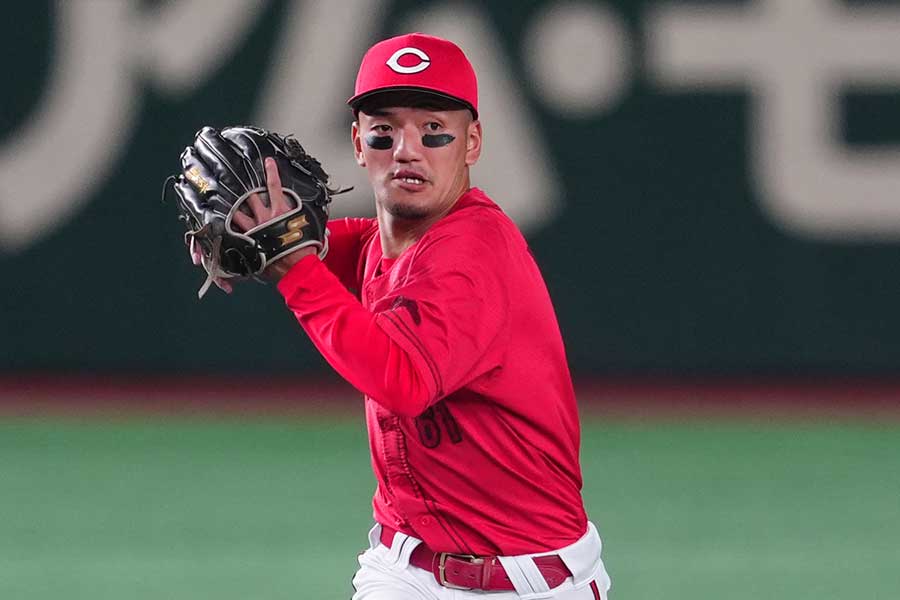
pixel 345 243
pixel 436 331
pixel 348 337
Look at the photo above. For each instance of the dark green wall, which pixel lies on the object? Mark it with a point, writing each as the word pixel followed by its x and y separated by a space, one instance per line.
pixel 660 261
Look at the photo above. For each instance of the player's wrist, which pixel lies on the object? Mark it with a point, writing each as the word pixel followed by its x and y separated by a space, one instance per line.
pixel 280 268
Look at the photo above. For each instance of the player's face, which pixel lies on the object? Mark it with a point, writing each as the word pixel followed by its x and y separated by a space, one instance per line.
pixel 417 159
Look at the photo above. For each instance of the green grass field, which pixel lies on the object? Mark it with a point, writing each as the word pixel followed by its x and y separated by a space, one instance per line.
pixel 154 508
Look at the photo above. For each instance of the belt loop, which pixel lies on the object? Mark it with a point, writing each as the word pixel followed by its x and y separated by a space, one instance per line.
pixel 401 548
pixel 486 569
pixel 526 577
pixel 406 550
pixel 375 536
pixel 393 553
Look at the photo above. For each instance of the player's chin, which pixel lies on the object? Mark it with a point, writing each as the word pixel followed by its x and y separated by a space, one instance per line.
pixel 406 210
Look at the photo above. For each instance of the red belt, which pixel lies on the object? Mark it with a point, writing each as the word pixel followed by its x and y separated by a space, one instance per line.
pixel 467 572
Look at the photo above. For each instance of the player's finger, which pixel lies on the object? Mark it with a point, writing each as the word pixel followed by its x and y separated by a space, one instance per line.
pixel 242 222
pixel 196 256
pixel 223 285
pixel 261 212
pixel 277 200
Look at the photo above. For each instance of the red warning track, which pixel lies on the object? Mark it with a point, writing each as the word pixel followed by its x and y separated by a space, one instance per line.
pixel 174 395
pixel 103 395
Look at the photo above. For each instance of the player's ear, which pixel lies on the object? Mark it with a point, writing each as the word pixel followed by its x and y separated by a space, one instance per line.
pixel 473 142
pixel 357 144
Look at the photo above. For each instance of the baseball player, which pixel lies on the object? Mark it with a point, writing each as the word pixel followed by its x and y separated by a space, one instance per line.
pixel 437 312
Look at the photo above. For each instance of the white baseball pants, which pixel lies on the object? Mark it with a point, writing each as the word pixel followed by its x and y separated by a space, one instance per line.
pixel 385 574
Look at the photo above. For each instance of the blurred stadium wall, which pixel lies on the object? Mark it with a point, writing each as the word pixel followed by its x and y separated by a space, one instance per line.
pixel 712 189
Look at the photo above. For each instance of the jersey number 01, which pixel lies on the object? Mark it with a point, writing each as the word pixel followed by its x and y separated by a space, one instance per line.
pixel 432 421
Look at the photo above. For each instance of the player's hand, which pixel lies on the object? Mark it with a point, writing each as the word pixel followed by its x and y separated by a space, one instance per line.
pixel 261 213
pixel 278 204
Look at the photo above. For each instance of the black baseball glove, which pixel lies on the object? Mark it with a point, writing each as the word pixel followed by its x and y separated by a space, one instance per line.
pixel 220 170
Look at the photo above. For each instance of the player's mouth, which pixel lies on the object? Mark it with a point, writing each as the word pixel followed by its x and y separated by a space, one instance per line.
pixel 409 180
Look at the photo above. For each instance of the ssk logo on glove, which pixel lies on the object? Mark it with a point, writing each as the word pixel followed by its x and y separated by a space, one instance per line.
pixel 197 179
pixel 295 230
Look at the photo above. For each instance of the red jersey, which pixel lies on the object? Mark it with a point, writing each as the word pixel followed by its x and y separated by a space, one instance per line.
pixel 471 414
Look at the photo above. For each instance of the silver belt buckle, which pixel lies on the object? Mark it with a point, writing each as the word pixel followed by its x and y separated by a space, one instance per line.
pixel 474 560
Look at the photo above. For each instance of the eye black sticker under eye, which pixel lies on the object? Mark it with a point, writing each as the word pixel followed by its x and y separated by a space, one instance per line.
pixel 437 140
pixel 379 142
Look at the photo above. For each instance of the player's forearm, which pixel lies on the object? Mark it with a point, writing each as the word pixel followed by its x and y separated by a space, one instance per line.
pixel 350 339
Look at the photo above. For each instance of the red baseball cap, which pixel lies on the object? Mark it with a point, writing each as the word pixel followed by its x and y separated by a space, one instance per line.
pixel 418 62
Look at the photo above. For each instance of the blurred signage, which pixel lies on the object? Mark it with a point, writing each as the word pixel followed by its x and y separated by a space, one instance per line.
pixel 796 58
pixel 708 186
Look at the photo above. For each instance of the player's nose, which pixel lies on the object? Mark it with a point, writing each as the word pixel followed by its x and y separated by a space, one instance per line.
pixel 407 145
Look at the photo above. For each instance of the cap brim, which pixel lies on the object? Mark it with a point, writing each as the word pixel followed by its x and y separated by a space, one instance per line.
pixel 355 101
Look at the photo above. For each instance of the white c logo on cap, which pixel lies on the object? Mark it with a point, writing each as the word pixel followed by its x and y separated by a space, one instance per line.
pixel 393 63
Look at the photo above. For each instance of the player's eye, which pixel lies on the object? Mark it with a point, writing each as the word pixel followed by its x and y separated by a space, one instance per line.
pixel 433 126
pixel 381 128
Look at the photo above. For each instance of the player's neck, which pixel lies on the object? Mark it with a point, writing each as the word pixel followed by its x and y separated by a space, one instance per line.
pixel 397 234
